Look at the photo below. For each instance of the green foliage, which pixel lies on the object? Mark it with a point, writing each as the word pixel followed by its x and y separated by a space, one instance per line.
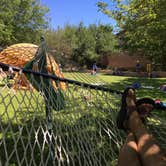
pixel 93 42
pixel 82 44
pixel 21 21
pixel 61 39
pixel 84 50
pixel 142 25
pixel 105 40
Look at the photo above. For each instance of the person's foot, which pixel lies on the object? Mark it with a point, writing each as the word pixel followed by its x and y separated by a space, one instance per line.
pixel 127 106
pixel 144 107
pixel 131 100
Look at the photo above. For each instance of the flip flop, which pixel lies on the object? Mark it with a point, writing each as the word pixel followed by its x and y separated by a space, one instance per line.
pixel 145 100
pixel 144 107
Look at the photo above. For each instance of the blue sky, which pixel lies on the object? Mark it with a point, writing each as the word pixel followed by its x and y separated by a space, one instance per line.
pixel 74 11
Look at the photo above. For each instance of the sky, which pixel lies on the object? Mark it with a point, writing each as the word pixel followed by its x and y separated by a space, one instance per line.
pixel 74 11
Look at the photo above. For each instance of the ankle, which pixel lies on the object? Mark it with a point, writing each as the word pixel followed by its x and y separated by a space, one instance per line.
pixel 134 121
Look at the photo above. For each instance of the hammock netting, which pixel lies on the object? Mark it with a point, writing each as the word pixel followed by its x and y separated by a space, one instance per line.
pixel 49 125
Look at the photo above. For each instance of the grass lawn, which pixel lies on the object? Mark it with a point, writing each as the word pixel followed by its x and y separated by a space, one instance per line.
pixel 121 82
pixel 82 133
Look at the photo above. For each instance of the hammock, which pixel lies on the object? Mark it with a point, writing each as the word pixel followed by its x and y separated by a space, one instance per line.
pixel 83 132
pixel 54 97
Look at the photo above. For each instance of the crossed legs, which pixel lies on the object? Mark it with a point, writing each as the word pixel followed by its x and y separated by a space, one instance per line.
pixel 140 148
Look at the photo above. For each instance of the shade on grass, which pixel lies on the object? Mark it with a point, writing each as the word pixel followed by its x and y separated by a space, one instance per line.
pixel 84 131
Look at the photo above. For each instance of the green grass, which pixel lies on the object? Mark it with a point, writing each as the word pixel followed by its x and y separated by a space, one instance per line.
pixel 121 82
pixel 23 121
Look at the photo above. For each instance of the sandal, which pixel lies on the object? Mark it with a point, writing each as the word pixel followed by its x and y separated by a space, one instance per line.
pixel 127 105
pixel 144 107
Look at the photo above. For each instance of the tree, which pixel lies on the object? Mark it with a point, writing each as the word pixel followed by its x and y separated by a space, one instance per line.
pixel 61 42
pixel 93 42
pixel 143 25
pixel 21 21
pixel 105 40
pixel 84 46
pixel 81 44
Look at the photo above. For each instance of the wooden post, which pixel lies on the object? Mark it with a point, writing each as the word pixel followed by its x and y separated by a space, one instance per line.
pixel 149 69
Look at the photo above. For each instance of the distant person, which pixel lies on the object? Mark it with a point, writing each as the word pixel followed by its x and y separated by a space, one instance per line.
pixel 138 66
pixel 116 71
pixel 60 68
pixel 94 69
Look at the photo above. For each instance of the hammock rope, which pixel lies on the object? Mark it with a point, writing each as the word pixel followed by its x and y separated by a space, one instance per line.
pixel 6 67
pixel 78 134
pixel 83 132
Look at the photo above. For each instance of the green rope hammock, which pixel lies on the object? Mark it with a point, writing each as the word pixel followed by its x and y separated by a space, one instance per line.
pixel 83 132
pixel 54 97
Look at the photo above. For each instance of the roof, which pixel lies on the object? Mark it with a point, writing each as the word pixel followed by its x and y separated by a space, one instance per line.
pixel 18 54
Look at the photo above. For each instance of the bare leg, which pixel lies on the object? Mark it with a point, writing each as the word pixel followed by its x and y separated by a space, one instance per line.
pixel 129 155
pixel 149 151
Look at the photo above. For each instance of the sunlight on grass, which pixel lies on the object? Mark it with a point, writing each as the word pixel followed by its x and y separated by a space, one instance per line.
pixel 20 104
pixel 23 118
pixel 91 120
pixel 154 121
